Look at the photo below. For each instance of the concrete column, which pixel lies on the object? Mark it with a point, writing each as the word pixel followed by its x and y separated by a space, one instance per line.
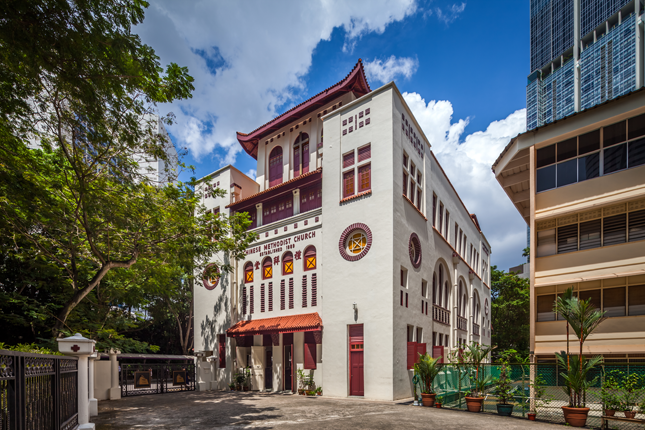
pixel 639 46
pixel 94 404
pixel 258 214
pixel 576 55
pixel 115 389
pixel 82 348
pixel 296 201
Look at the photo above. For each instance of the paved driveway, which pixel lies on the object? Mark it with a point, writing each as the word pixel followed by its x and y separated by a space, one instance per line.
pixel 209 410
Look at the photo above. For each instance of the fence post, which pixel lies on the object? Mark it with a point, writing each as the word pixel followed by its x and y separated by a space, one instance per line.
pixel 82 348
pixel 115 390
pixel 94 404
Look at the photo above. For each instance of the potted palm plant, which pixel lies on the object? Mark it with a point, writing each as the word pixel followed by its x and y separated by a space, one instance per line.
pixel 475 355
pixel 427 368
pixel 583 318
pixel 504 389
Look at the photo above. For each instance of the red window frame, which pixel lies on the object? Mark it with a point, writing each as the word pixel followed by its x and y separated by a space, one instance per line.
pixel 275 166
pixel 287 263
pixel 348 183
pixel 364 178
pixel 267 263
pixel 405 184
pixel 310 258
pixel 248 272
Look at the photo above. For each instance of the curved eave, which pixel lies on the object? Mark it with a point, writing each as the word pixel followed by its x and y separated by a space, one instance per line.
pixel 355 82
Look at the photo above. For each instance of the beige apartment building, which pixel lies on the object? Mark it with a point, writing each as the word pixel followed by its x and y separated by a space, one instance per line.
pixel 579 183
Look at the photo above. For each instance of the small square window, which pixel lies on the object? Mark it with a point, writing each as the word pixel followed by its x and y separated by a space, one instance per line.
pixel 360 124
pixel 344 132
pixel 360 114
pixel 351 118
pixel 367 111
pixel 351 129
pixel 344 122
pixel 367 121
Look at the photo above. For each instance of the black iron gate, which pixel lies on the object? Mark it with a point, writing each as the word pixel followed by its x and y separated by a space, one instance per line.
pixel 38 391
pixel 138 379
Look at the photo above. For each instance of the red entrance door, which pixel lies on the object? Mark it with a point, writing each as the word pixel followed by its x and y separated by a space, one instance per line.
pixel 356 360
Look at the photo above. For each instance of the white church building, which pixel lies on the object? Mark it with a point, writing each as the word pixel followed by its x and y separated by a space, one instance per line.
pixel 366 255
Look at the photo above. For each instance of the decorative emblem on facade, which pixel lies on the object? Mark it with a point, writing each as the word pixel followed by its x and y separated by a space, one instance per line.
pixel 355 242
pixel 211 276
pixel 414 248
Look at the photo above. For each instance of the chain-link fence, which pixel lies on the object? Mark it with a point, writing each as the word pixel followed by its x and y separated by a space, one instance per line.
pixel 547 397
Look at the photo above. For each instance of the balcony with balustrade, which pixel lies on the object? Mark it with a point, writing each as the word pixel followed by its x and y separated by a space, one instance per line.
pixel 462 323
pixel 440 315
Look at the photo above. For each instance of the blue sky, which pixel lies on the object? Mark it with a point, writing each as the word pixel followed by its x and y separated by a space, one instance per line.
pixel 462 67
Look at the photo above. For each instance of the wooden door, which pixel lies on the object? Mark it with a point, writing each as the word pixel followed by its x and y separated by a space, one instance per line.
pixel 356 382
pixel 268 370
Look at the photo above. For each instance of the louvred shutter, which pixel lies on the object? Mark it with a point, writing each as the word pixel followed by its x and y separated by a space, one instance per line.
pixel 305 158
pixel 310 351
pixel 364 153
pixel 348 159
pixel 412 350
pixel 437 351
pixel 421 349
pixel 296 162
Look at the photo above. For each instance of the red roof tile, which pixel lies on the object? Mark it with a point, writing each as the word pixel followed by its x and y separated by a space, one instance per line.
pixel 274 188
pixel 355 81
pixel 289 324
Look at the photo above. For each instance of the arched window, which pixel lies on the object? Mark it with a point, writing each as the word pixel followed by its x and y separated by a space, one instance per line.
pixel 275 166
pixel 301 155
pixel 248 272
pixel 434 288
pixel 440 295
pixel 310 258
pixel 446 295
pixel 287 263
pixel 267 268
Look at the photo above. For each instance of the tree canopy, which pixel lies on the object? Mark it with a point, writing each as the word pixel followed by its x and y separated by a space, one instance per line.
pixel 510 308
pixel 90 238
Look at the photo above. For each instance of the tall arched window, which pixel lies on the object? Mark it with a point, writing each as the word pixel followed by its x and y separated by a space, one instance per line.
pixel 267 268
pixel 301 155
pixel 248 272
pixel 434 288
pixel 275 166
pixel 287 263
pixel 310 258
pixel 446 294
pixel 440 295
pixel 462 299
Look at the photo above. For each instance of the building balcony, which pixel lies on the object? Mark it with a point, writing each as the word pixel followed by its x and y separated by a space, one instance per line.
pixel 476 329
pixel 462 323
pixel 440 315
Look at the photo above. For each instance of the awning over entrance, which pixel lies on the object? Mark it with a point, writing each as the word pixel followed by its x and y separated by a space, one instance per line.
pixel 289 324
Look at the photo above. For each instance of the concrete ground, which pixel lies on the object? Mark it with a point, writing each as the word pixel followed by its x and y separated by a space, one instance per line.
pixel 211 409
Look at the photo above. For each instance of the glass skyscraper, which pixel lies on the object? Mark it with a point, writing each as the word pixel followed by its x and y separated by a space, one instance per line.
pixel 583 52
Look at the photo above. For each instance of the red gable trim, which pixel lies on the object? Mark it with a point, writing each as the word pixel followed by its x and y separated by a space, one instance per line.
pixel 355 82
pixel 289 324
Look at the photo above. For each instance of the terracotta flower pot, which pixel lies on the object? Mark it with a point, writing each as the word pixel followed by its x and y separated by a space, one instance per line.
pixel 531 416
pixel 576 417
pixel 428 399
pixel 474 404
pixel 610 412
pixel 301 392
pixel 629 414
pixel 438 405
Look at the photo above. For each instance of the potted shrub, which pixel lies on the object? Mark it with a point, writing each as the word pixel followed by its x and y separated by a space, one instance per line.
pixel 301 381
pixel 504 390
pixel 632 388
pixel 427 368
pixel 583 318
pixel 239 381
pixel 319 391
pixel 439 401
pixel 231 386
pixel 246 386
pixel 540 396
pixel 609 395
pixel 474 356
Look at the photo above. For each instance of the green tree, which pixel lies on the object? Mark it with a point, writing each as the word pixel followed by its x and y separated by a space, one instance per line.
pixel 510 311
pixel 78 96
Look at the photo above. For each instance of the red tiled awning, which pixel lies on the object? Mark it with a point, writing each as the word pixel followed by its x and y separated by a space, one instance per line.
pixel 290 324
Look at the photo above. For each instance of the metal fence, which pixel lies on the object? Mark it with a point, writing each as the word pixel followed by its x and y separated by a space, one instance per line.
pixel 138 379
pixel 454 381
pixel 38 391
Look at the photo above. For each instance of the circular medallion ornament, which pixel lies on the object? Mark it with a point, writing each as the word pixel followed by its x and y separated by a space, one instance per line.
pixel 414 249
pixel 486 306
pixel 211 276
pixel 355 242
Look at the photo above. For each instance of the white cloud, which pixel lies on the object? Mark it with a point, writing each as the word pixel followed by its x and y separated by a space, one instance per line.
pixel 252 173
pixel 450 14
pixel 467 161
pixel 384 72
pixel 248 57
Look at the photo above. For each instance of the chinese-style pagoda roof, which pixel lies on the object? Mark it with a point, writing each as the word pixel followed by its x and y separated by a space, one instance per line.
pixel 355 82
